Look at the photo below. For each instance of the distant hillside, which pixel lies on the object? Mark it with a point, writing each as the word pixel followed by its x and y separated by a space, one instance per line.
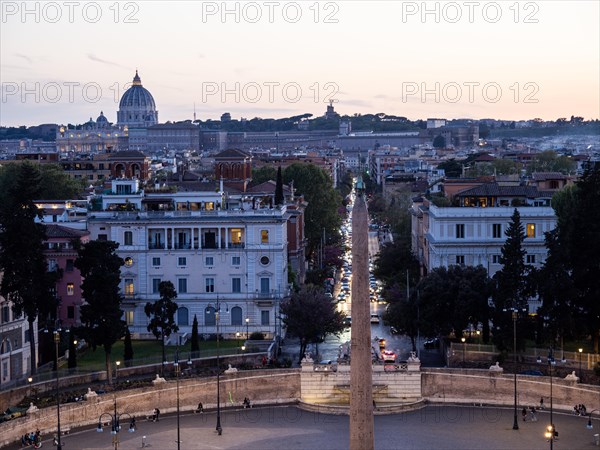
pixel 564 130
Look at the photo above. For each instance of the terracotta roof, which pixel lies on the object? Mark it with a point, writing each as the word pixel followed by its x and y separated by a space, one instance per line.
pixel 58 231
pixel 268 187
pixel 484 157
pixel 127 154
pixel 541 176
pixel 232 153
pixel 495 190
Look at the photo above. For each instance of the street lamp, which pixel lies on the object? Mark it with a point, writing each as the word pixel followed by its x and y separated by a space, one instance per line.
pixel 247 328
pixel 217 312
pixel 115 427
pixel 237 335
pixel 551 434
pixel 29 381
pixel 515 315
pixel 589 425
pixel 177 370
pixel 463 340
pixel 580 350
pixel 56 342
pixel 118 363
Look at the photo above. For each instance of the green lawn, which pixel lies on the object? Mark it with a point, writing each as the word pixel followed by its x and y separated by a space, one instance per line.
pixel 149 352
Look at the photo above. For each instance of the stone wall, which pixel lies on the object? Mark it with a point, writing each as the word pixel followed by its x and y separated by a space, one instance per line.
pixel 261 386
pixel 333 387
pixel 488 387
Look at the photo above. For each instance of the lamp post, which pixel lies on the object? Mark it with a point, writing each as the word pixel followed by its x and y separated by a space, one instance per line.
pixel 177 370
pixel 237 335
pixel 117 363
pixel 115 427
pixel 515 315
pixel 551 434
pixel 589 425
pixel 58 443
pixel 580 350
pixel 247 328
pixel 463 340
pixel 217 312
pixel 29 381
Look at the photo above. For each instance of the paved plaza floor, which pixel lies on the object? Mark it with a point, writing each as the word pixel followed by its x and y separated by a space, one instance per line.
pixel 288 428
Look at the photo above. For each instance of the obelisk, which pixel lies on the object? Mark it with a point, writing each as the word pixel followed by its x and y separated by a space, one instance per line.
pixel 361 377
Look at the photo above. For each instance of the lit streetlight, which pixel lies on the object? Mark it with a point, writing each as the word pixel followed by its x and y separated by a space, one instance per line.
pixel 551 434
pixel 247 328
pixel 580 350
pixel 115 426
pixel 589 425
pixel 515 316
pixel 177 371
pixel 237 335
pixel 463 340
pixel 117 363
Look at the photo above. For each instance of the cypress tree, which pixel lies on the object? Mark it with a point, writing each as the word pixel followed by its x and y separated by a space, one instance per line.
pixel 128 348
pixel 195 343
pixel 279 188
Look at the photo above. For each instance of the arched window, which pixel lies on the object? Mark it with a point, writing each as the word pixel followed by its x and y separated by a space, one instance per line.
pixel 209 317
pixel 236 315
pixel 183 316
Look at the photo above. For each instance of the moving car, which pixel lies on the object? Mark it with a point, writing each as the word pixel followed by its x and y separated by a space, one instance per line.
pixel 374 318
pixel 388 356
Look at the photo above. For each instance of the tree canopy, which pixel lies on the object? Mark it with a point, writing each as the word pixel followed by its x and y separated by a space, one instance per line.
pixel 323 201
pixel 101 313
pixel 162 313
pixel 310 316
pixel 25 279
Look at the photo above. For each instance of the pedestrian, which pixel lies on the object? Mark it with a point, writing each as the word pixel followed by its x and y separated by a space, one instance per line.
pixel 247 403
pixel 156 414
pixel 200 408
pixel 524 413
pixel 533 416
pixel 542 403
pixel 132 425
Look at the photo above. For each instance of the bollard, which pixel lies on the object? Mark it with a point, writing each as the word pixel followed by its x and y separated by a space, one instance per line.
pixel 143 441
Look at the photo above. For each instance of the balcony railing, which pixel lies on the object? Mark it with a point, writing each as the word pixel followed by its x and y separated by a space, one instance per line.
pixel 236 245
pixel 156 245
pixel 183 246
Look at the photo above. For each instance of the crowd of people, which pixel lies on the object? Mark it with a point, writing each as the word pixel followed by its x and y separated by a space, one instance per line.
pixel 33 438
pixel 579 410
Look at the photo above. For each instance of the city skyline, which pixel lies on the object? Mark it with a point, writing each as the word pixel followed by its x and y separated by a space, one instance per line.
pixel 510 61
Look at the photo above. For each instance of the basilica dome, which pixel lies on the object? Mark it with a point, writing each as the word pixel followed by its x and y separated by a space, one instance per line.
pixel 137 107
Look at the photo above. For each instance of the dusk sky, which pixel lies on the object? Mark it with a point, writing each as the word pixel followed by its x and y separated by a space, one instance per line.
pixel 505 60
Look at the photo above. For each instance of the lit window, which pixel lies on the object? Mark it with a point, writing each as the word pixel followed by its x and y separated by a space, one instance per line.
pixel 530 230
pixel 264 236
pixel 129 288
pixel 129 317
pixel 70 289
pixel 128 261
